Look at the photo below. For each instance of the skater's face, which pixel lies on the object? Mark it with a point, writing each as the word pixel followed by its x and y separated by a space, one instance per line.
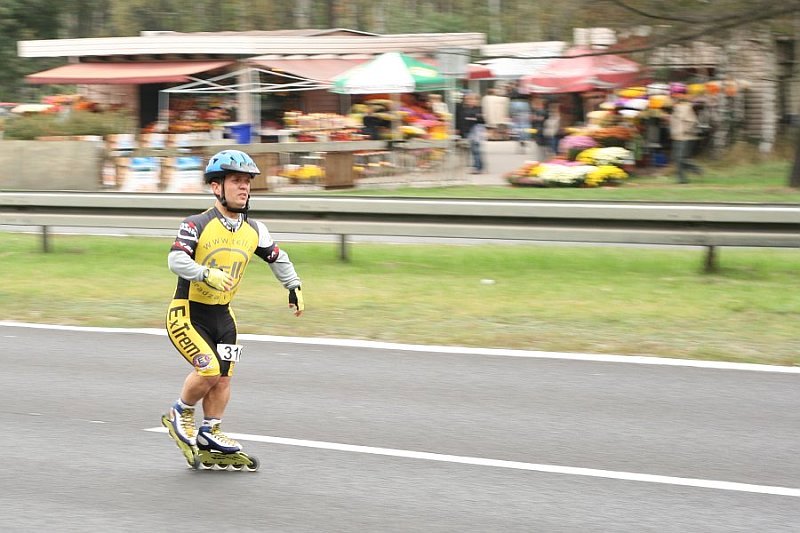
pixel 236 187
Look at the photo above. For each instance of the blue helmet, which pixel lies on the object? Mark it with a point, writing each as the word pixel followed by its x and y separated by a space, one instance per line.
pixel 227 161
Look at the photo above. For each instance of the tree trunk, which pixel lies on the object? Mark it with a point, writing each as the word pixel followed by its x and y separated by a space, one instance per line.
pixel 794 177
pixel 379 17
pixel 495 24
pixel 302 12
pixel 333 20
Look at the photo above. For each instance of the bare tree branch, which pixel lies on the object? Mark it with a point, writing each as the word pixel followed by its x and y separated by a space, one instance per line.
pixel 707 28
pixel 753 9
pixel 655 16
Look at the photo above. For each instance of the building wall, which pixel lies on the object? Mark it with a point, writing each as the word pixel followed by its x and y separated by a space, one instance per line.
pixel 750 59
pixel 754 60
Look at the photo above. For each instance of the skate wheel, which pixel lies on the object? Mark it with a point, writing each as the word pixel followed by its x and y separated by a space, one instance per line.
pixel 254 464
pixel 236 467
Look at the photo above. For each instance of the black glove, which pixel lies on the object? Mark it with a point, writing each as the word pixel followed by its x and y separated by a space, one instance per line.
pixel 296 301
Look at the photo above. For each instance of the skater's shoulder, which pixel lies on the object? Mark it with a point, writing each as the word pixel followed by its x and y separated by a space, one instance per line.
pixel 202 217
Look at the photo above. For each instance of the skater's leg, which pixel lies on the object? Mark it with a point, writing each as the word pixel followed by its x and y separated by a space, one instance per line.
pixel 180 418
pixel 197 387
pixel 209 436
pixel 217 397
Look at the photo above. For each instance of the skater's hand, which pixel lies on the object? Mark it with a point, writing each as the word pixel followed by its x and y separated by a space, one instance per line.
pixel 218 279
pixel 296 301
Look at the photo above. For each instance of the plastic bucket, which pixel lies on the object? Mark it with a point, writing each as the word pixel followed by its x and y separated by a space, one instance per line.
pixel 239 132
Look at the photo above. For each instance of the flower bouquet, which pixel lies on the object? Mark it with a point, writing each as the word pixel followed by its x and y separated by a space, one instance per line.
pixel 574 144
pixel 524 176
pixel 605 174
pixel 563 175
pixel 613 135
pixel 612 155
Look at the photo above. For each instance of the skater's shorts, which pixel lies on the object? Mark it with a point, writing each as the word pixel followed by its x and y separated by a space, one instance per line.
pixel 196 329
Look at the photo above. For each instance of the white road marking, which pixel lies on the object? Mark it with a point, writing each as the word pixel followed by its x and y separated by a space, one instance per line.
pixel 456 350
pixel 517 465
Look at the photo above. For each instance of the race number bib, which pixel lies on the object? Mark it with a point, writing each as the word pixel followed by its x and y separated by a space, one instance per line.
pixel 229 352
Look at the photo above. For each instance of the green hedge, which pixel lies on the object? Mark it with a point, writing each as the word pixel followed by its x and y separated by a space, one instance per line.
pixel 30 127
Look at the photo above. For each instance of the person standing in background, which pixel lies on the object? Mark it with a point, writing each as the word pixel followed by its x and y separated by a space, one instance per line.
pixel 470 126
pixel 521 119
pixel 438 106
pixel 495 111
pixel 683 125
pixel 552 128
pixel 538 116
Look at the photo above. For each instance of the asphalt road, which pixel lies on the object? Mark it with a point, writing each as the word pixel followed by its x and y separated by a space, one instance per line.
pixel 373 439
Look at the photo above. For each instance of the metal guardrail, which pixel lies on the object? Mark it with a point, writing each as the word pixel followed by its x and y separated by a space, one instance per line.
pixel 706 225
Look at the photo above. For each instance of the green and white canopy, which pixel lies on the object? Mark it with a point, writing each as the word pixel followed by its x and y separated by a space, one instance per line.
pixel 392 72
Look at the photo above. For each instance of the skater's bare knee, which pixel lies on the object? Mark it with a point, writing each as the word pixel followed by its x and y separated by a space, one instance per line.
pixel 221 382
pixel 210 381
pixel 197 386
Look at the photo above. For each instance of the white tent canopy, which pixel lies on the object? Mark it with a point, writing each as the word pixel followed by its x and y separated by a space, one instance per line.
pixel 513 68
pixel 248 80
pixel 521 60
pixel 243 83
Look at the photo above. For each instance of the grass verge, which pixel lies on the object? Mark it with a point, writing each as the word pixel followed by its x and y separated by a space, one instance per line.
pixel 633 301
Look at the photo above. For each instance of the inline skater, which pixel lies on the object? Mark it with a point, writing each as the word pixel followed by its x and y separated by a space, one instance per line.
pixel 209 256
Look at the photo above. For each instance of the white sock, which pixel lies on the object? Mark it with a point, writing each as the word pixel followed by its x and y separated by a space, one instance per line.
pixel 184 405
pixel 211 421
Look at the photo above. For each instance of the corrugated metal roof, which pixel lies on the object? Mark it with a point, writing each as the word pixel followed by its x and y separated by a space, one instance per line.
pixel 237 44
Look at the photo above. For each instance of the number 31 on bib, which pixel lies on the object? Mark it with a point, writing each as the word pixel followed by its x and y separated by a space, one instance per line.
pixel 229 352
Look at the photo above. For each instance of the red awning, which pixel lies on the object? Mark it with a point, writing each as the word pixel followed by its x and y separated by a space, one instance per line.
pixel 580 71
pixel 311 68
pixel 125 73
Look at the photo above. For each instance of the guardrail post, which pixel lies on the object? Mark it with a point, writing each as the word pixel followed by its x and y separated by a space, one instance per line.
pixel 45 239
pixel 711 263
pixel 343 251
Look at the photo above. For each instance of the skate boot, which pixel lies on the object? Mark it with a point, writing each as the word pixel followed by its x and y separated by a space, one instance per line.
pixel 219 451
pixel 179 422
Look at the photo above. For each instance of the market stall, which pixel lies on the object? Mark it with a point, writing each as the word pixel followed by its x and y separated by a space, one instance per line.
pixel 394 82
pixel 603 151
pixel 628 132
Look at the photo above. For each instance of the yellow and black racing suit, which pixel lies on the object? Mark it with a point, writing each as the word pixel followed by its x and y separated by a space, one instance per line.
pixel 199 316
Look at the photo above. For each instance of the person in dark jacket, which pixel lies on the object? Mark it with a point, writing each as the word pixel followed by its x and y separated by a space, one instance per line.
pixel 470 126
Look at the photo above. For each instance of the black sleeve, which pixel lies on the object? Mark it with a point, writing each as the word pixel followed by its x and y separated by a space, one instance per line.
pixel 268 254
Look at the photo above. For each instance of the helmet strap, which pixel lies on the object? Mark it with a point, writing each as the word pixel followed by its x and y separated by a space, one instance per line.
pixel 224 201
pixel 236 209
